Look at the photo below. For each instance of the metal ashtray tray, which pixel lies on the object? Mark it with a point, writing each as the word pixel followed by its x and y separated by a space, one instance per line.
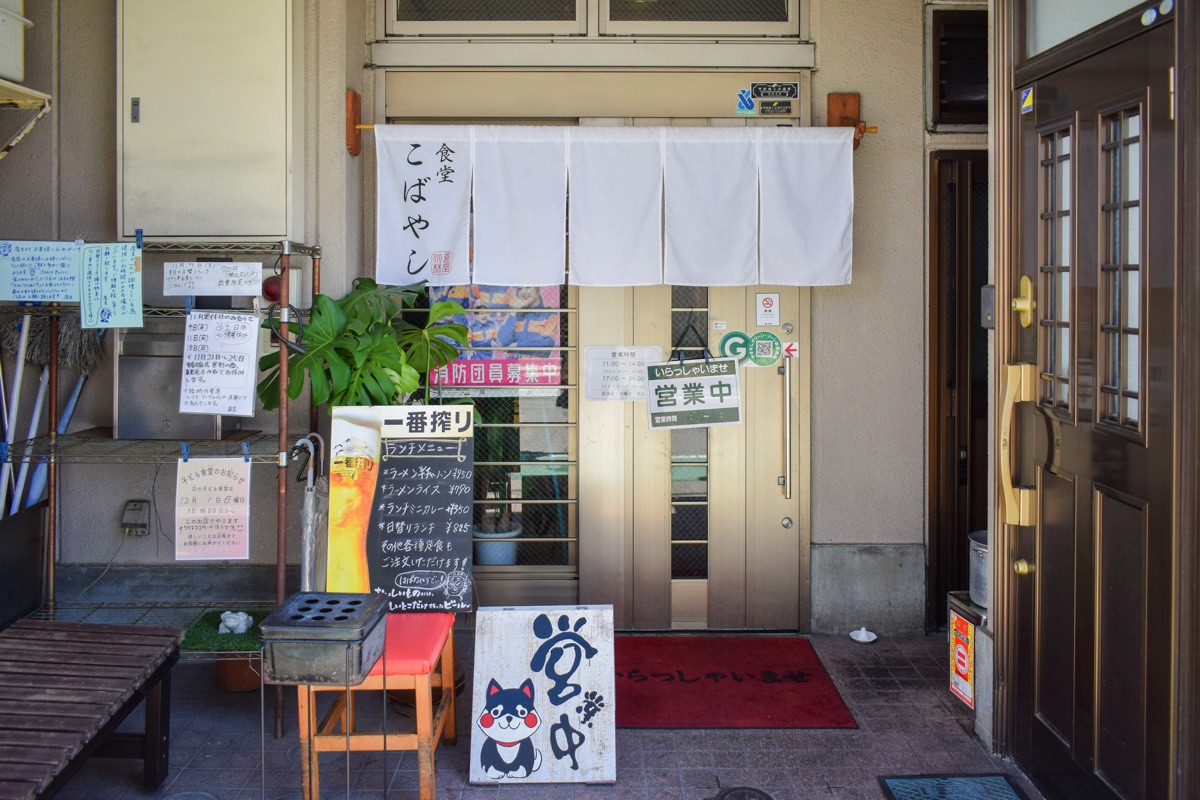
pixel 317 637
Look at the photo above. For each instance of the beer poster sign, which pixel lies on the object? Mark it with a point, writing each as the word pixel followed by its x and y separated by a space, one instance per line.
pixel 543 697
pixel 401 483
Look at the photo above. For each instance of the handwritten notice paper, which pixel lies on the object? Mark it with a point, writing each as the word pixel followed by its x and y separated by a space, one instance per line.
pixel 45 272
pixel 220 363
pixel 105 279
pixel 212 509
pixel 111 286
pixel 236 278
pixel 412 543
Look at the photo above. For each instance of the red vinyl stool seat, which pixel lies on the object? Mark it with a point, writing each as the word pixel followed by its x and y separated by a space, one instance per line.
pixel 419 656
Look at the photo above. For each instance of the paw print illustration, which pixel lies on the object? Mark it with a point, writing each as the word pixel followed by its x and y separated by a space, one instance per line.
pixel 592 703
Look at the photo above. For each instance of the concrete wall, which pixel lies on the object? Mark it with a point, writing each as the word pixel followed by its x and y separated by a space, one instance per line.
pixel 60 183
pixel 868 370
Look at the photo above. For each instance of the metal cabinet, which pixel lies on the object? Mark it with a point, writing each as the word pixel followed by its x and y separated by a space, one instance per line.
pixel 206 140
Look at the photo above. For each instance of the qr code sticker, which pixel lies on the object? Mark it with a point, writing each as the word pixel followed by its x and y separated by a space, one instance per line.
pixel 763 349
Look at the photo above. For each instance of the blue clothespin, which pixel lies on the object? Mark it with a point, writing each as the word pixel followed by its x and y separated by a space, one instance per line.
pixel 183 446
pixel 3 450
pixel 138 236
pixel 246 451
pixel 188 302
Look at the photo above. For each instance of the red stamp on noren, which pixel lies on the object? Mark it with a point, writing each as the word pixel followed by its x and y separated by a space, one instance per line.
pixel 440 262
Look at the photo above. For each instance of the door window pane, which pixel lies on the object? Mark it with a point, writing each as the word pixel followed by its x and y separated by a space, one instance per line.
pixel 1120 341
pixel 1132 234
pixel 1054 248
pixel 1051 22
pixel 689 446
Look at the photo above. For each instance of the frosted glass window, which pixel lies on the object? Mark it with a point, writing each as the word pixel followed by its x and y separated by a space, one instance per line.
pixel 1133 235
pixel 1133 172
pixel 1132 299
pixel 1051 22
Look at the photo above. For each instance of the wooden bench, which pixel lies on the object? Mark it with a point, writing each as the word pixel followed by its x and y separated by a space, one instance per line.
pixel 64 689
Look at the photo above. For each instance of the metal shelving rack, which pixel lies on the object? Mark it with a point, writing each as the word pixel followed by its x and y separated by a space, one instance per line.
pixel 96 446
pixel 91 447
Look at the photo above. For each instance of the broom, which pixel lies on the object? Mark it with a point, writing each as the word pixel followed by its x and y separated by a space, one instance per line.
pixel 77 349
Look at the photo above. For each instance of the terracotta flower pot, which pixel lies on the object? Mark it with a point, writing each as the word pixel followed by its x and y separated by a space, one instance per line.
pixel 238 673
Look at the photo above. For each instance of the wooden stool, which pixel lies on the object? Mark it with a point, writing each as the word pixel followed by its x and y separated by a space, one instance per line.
pixel 418 655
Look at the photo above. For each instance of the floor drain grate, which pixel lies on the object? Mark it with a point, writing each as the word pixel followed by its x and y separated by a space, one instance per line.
pixel 743 793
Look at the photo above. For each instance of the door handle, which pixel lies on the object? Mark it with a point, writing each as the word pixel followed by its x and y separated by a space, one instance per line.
pixel 1022 567
pixel 1023 303
pixel 1019 505
pixel 786 478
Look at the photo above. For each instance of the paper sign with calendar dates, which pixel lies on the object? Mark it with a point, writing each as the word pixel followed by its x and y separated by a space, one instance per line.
pixel 212 509
pixel 220 363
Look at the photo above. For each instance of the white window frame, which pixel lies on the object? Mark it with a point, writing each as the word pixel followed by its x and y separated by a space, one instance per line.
pixel 591 20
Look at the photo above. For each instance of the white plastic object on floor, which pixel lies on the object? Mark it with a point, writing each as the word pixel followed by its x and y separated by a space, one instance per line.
pixel 863 635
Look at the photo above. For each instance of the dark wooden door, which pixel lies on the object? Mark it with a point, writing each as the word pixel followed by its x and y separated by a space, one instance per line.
pixel 1095 214
pixel 959 366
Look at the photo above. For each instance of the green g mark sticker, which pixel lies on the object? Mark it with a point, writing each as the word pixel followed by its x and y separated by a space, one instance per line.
pixel 760 350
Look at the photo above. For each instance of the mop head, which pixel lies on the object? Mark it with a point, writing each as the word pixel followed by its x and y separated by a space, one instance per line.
pixel 77 348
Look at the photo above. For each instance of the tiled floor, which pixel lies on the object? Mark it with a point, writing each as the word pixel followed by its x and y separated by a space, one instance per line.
pixel 908 722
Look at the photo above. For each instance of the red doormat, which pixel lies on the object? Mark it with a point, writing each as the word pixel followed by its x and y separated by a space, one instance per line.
pixel 724 682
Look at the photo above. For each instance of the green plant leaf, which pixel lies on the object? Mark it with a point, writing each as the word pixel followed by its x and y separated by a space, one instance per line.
pixel 361 351
pixel 372 302
pixel 325 336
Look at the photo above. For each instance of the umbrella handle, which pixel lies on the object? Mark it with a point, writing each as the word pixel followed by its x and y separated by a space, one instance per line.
pixel 306 444
pixel 320 440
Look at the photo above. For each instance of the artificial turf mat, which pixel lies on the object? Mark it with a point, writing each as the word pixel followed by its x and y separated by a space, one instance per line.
pixel 201 635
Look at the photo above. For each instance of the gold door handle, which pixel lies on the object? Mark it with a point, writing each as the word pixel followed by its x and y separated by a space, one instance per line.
pixel 1022 567
pixel 1023 303
pixel 1019 505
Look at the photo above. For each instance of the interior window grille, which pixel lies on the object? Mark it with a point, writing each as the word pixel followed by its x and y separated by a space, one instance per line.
pixel 1120 267
pixel 689 446
pixel 484 10
pixel 485 17
pixel 959 68
pixel 1054 247
pixel 519 372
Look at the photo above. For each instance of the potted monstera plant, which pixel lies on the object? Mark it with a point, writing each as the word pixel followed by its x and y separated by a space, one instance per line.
pixel 374 346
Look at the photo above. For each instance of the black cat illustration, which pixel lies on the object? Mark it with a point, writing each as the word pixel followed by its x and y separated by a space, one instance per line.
pixel 508 720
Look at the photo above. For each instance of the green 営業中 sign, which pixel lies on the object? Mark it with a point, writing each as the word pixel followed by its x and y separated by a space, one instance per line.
pixel 693 394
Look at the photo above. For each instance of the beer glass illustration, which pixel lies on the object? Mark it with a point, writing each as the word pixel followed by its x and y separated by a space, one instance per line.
pixel 353 471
